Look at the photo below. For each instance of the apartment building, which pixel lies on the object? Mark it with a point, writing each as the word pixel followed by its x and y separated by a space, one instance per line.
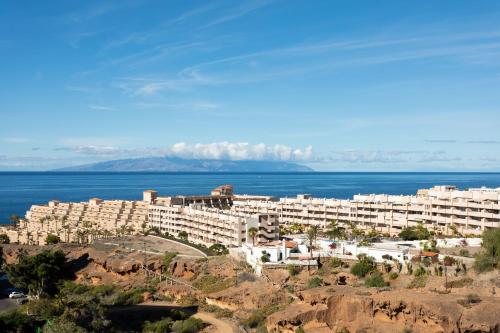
pixel 207 226
pixel 80 221
pixel 470 211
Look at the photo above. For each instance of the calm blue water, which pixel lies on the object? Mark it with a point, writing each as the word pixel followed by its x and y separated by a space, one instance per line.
pixel 19 190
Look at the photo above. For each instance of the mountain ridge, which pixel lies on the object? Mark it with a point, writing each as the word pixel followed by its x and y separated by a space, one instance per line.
pixel 174 164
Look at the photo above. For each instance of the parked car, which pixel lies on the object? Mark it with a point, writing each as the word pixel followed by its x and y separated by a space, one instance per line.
pixel 17 294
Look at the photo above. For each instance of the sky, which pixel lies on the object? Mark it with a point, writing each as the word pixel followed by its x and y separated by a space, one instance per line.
pixel 335 85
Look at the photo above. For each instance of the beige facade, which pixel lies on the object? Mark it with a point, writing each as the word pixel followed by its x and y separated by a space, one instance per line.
pixel 80 222
pixel 438 208
pixel 207 226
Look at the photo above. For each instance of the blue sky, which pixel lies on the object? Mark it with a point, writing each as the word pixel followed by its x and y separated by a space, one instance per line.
pixel 336 85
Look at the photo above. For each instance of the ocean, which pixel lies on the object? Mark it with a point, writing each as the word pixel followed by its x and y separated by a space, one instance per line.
pixel 20 190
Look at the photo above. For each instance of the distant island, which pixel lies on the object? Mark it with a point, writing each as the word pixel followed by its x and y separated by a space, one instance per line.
pixel 172 164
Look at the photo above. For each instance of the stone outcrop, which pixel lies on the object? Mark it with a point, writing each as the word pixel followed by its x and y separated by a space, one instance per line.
pixel 366 310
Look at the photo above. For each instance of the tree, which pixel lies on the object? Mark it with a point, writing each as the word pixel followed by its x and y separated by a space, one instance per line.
pixel 418 232
pixel 219 249
pixel 364 266
pixel 4 239
pixel 52 239
pixel 14 219
pixel 489 258
pixel 312 235
pixel 335 231
pixel 252 232
pixel 183 235
pixel 40 273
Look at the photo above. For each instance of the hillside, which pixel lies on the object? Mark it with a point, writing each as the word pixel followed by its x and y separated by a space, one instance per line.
pixel 189 165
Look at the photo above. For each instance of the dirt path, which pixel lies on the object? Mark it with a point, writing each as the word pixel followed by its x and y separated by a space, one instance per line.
pixel 222 326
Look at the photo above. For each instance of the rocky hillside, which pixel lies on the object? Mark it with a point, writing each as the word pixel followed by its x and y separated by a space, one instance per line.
pixel 348 309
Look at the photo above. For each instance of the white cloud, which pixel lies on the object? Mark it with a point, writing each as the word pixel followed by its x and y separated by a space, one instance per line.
pixel 217 151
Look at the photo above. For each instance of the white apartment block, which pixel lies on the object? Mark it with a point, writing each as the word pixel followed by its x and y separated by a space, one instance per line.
pixel 80 222
pixel 470 211
pixel 208 226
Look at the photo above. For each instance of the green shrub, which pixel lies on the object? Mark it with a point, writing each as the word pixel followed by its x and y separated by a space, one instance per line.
pixel 160 326
pixel 300 330
pixel 130 297
pixel 52 239
pixel 219 249
pixel 393 276
pixel 375 280
pixel 190 325
pixel 489 258
pixel 418 232
pixel 315 282
pixel 364 266
pixel 335 262
pixel 418 282
pixel 420 271
pixel 293 270
pixel 167 259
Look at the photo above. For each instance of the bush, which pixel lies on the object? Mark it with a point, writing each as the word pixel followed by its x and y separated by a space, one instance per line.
pixel 489 259
pixel 4 239
pixel 459 283
pixel 418 282
pixel 167 259
pixel 190 325
pixel 335 262
pixel 415 233
pixel 375 280
pixel 300 330
pixel 364 266
pixel 258 317
pixel 160 326
pixel 393 276
pixel 469 300
pixel 293 270
pixel 52 239
pixel 131 297
pixel 219 249
pixel 314 282
pixel 420 271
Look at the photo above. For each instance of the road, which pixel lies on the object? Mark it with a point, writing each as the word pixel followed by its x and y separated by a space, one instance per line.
pixel 8 304
pixel 222 326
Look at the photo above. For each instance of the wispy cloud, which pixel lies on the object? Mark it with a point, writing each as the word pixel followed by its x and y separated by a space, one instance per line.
pixel 441 141
pixel 244 8
pixel 101 108
pixel 15 140
pixel 400 157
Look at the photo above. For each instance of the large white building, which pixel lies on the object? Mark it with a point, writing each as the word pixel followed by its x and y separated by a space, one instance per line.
pixel 470 211
pixel 223 217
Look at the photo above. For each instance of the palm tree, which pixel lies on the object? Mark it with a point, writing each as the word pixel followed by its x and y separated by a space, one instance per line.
pixel 252 232
pixel 335 231
pixel 14 219
pixel 312 235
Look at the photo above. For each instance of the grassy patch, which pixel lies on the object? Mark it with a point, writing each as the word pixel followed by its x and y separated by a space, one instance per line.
pixel 210 283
